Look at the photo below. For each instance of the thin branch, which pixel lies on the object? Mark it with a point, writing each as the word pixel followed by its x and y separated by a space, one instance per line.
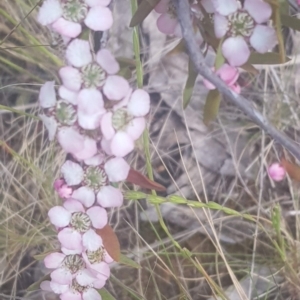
pixel 183 13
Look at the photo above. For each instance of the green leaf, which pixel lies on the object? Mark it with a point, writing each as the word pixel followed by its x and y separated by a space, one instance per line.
pixel 189 86
pixel 276 18
pixel 126 62
pixel 220 60
pixel 270 58
pixel 125 72
pixel 106 295
pixel 211 107
pixel 36 286
pixel 128 262
pixel 143 11
pixel 290 22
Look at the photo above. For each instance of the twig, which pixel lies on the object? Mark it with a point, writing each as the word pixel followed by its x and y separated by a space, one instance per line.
pixel 183 13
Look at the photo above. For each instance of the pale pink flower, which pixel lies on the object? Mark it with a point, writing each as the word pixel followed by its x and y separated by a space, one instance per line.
pixel 75 291
pixel 277 172
pixel 98 261
pixel 85 72
pixel 243 28
pixel 229 75
pixel 63 190
pixel 76 224
pixel 80 146
pixel 125 123
pixel 168 23
pixel 56 113
pixel 93 183
pixel 67 17
pixel 68 267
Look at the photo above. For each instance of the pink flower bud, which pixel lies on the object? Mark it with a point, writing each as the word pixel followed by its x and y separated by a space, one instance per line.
pixel 276 172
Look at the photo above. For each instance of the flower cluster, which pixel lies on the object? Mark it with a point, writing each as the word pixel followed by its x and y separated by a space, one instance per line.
pixel 240 28
pixel 96 117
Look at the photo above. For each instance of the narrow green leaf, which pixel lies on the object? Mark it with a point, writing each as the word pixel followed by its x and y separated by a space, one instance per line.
pixel 106 295
pixel 290 22
pixel 220 60
pixel 125 72
pixel 189 86
pixel 270 58
pixel 278 27
pixel 211 107
pixel 142 12
pixel 36 286
pixel 128 262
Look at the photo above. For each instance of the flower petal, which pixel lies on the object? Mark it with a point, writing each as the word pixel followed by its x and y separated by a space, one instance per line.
pixel 67 94
pixel 91 240
pixel 107 128
pixel 59 216
pixel 67 28
pixel 228 74
pixel 208 6
pixel 61 276
pixel 117 169
pixel 263 38
pixel 166 23
pixel 116 87
pixel 89 149
pixel 49 12
pixel 51 126
pixel 70 295
pixel 121 144
pixel 139 103
pixel 71 78
pixel 71 252
pixel 70 139
pixel 91 294
pixel 102 269
pixel 92 3
pixel 59 288
pixel 136 127
pixel 105 146
pixel 260 11
pixel 99 18
pixel 45 286
pixel 90 101
pixel 220 25
pixel 89 122
pixel 236 51
pixel 225 8
pixel 85 277
pixel 70 239
pixel 78 53
pixel 54 260
pixel 96 160
pixel 98 216
pixel 107 61
pixel 162 6
pixel 72 205
pixel 85 195
pixel 72 172
pixel 110 196
pixel 47 96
